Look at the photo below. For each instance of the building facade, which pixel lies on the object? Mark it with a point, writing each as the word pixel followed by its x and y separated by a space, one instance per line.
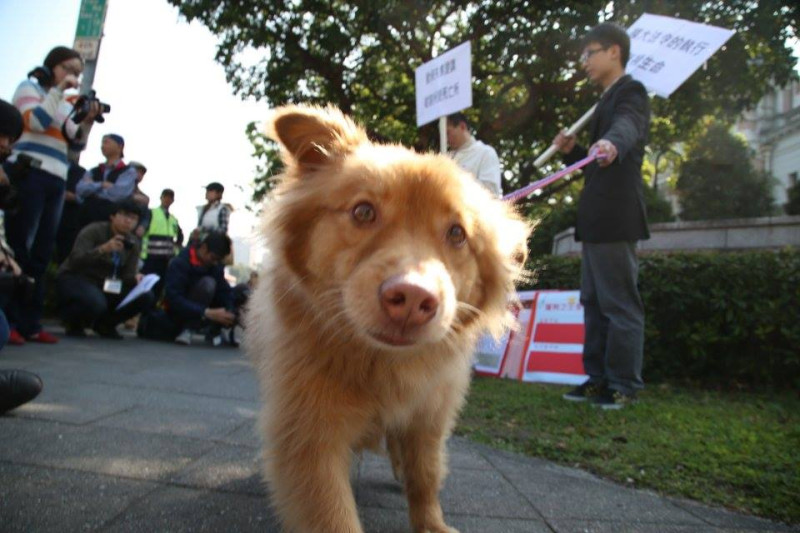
pixel 773 131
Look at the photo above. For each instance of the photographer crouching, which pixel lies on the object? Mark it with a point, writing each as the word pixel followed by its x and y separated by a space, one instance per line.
pixel 99 273
pixel 37 169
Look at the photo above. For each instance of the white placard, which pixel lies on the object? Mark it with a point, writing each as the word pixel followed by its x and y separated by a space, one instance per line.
pixel 444 84
pixel 665 51
pixel 148 282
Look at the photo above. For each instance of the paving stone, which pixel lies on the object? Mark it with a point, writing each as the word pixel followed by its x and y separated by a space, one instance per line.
pixel 44 499
pixel 181 422
pixel 111 451
pixel 226 468
pixel 465 491
pixel 562 493
pixel 177 509
pixel 723 518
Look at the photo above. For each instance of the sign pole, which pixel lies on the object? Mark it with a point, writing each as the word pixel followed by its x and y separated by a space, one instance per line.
pixel 443 134
pixel 88 35
pixel 574 129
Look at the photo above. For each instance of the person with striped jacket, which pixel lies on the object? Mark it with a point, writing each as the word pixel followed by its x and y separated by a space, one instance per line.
pixel 41 151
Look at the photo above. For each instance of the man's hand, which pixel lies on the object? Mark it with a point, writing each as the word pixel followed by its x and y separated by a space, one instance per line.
pixel 3 177
pixel 607 149
pixel 565 143
pixel 107 185
pixel 115 244
pixel 139 277
pixel 220 315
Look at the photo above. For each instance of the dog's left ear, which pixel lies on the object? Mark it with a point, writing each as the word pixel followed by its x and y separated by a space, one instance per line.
pixel 312 136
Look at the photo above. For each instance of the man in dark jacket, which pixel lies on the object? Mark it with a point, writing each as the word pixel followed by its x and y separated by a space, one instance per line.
pixel 611 218
pixel 196 293
pixel 99 273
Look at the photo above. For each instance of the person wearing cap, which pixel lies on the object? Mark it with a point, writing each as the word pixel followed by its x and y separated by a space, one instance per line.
pixel 214 215
pixel 106 184
pixel 41 151
pixel 141 198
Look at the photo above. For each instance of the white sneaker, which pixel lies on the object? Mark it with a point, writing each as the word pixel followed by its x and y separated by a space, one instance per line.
pixel 184 338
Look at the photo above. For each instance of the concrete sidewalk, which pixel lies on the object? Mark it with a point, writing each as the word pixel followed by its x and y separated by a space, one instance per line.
pixel 145 436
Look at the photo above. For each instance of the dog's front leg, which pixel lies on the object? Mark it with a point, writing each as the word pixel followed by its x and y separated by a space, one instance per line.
pixel 422 451
pixel 310 485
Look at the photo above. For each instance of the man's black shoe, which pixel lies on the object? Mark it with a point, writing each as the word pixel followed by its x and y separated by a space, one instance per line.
pixel 613 399
pixel 17 387
pixel 108 332
pixel 584 392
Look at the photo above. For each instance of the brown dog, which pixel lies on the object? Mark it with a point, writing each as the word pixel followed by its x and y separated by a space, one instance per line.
pixel 386 266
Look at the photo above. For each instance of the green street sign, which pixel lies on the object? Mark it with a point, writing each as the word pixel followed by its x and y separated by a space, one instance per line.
pixel 90 20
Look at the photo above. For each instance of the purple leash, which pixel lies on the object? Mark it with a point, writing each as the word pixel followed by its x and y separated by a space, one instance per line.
pixel 544 182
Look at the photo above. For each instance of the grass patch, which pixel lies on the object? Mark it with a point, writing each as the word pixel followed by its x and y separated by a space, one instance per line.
pixel 740 450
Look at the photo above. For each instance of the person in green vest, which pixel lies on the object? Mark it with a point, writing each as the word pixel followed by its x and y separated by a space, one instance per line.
pixel 162 240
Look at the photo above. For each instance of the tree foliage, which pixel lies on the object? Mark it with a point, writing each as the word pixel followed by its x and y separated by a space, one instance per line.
pixel 361 55
pixel 718 180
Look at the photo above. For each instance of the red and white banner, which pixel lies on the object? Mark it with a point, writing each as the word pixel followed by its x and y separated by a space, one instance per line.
pixel 555 352
pixel 547 345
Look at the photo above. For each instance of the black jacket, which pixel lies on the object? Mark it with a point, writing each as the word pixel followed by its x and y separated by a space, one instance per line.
pixel 182 273
pixel 611 207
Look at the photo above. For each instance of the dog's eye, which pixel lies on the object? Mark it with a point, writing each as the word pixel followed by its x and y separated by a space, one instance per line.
pixel 457 235
pixel 364 213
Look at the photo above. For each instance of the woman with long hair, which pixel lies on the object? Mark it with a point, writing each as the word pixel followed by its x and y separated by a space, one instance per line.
pixel 38 164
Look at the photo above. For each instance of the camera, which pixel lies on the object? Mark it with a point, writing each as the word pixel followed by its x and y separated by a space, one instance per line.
pixel 84 104
pixel 128 242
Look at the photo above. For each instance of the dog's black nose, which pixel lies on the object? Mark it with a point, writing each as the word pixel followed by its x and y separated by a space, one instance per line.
pixel 406 303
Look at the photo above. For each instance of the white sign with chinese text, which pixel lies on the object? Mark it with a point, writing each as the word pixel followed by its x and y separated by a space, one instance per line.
pixel 665 51
pixel 444 84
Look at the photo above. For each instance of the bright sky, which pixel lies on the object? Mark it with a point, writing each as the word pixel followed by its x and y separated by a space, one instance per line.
pixel 169 98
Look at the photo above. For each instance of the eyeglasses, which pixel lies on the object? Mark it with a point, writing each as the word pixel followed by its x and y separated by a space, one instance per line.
pixel 71 70
pixel 589 53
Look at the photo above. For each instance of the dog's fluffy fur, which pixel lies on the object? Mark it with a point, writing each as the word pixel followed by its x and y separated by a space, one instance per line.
pixel 385 267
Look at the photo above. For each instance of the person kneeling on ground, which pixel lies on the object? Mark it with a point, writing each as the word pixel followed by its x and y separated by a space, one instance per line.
pixel 196 294
pixel 98 274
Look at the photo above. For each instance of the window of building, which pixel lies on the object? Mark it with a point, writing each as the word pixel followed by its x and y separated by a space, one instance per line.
pixel 792 179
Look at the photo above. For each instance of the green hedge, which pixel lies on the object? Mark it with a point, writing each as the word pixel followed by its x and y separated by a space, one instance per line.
pixel 730 319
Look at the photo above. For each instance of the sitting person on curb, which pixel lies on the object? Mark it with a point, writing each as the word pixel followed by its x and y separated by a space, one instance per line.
pixel 196 293
pixel 98 274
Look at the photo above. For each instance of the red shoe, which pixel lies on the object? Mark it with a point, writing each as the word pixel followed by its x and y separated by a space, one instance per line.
pixel 43 337
pixel 15 338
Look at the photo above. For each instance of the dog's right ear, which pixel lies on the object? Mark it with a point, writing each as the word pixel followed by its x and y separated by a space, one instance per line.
pixel 312 136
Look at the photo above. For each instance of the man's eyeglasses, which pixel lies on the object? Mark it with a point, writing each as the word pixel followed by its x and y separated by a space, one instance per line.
pixel 589 53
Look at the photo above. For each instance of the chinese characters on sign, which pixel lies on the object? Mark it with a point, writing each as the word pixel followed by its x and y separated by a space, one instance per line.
pixel 665 51
pixel 444 84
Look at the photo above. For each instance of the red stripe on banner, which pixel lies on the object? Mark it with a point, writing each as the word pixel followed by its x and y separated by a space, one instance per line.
pixel 559 333
pixel 566 363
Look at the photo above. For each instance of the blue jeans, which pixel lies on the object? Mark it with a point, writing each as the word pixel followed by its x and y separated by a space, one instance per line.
pixel 31 233
pixel 4 329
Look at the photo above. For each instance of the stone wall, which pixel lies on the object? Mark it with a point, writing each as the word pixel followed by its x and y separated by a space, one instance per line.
pixel 729 235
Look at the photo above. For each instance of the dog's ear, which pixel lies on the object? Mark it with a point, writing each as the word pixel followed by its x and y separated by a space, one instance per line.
pixel 312 136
